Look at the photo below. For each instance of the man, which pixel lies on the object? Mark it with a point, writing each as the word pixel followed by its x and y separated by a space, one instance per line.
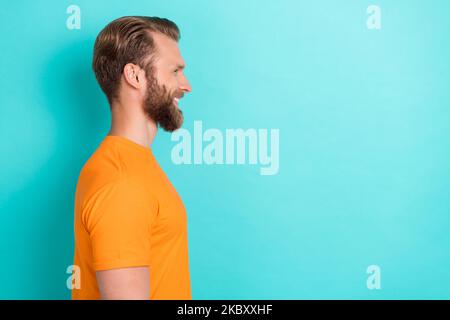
pixel 130 224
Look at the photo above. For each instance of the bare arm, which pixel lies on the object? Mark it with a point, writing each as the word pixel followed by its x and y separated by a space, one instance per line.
pixel 124 284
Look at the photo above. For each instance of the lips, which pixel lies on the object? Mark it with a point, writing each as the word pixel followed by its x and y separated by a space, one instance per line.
pixel 176 102
pixel 177 98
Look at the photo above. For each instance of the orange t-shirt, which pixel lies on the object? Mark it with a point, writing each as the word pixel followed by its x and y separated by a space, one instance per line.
pixel 128 214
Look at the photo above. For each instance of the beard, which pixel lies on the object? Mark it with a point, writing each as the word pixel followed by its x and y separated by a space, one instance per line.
pixel 159 105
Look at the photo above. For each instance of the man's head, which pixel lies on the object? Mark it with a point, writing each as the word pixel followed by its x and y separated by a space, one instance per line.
pixel 137 58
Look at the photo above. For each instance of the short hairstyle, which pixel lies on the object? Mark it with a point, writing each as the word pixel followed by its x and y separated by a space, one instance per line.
pixel 127 40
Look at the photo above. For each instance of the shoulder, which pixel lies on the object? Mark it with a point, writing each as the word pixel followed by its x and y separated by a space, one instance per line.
pixel 120 199
pixel 103 167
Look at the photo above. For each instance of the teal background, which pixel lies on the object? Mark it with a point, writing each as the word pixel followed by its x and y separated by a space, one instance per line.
pixel 364 145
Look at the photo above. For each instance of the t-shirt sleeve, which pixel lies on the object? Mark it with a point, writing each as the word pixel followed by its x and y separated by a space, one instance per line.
pixel 119 218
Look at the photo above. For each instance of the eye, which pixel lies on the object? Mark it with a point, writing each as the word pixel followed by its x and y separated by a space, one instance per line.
pixel 176 70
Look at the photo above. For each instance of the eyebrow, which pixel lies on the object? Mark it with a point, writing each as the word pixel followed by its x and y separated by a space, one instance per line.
pixel 180 66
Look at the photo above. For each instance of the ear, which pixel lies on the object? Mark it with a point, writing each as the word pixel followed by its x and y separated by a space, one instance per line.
pixel 132 75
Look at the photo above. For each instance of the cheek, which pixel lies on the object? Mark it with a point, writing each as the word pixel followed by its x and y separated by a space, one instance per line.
pixel 170 81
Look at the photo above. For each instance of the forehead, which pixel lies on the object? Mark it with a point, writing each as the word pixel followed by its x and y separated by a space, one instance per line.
pixel 167 50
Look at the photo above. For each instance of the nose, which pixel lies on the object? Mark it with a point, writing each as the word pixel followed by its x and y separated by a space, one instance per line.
pixel 185 86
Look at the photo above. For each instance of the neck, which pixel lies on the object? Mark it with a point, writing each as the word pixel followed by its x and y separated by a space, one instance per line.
pixel 129 121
